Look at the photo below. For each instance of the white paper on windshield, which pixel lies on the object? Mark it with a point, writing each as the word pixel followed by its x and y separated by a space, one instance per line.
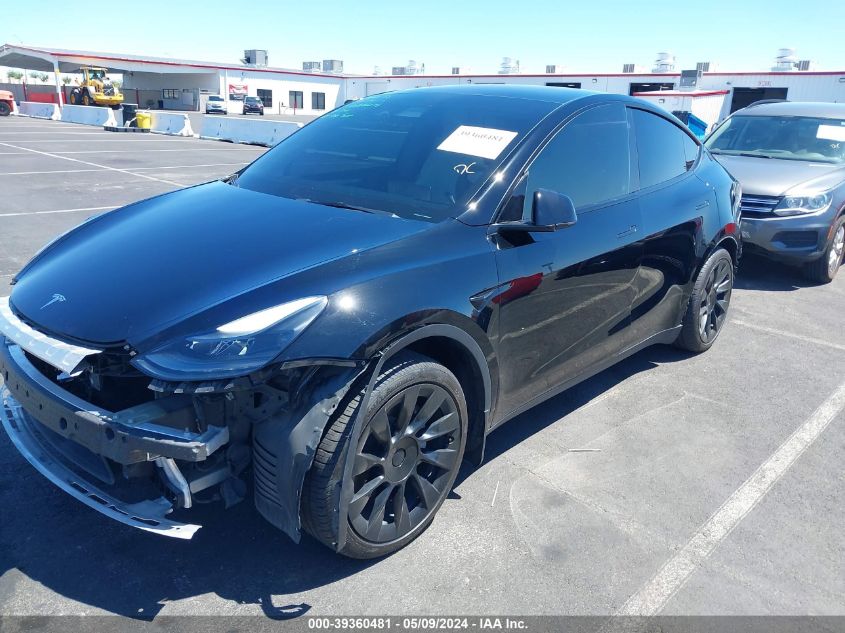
pixel 477 141
pixel 831 132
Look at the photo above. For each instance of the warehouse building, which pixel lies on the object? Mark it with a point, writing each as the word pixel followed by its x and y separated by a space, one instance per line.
pixel 318 87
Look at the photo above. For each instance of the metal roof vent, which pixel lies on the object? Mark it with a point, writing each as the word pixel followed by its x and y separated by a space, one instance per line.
pixel 665 63
pixel 255 57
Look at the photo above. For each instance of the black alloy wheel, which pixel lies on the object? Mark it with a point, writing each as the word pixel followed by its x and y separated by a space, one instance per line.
pixel 713 305
pixel 404 462
pixel 708 304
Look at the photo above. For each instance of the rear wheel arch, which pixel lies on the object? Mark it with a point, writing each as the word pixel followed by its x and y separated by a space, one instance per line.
pixel 729 244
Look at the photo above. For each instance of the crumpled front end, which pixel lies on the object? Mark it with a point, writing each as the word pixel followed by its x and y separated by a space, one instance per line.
pixel 136 449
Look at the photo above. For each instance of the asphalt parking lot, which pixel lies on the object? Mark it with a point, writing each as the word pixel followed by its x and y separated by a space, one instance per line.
pixel 671 483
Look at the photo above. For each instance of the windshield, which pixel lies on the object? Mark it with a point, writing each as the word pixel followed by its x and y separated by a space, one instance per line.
pixel 417 154
pixel 215 99
pixel 252 100
pixel 788 137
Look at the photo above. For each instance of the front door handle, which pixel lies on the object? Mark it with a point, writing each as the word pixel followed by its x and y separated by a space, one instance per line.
pixel 629 231
pixel 702 205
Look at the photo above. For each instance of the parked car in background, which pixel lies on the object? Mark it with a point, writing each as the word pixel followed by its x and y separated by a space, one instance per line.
pixel 790 160
pixel 421 267
pixel 215 105
pixel 253 105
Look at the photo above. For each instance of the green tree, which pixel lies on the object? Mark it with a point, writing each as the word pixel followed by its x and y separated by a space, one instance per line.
pixel 66 80
pixel 14 75
pixel 43 77
pixel 33 75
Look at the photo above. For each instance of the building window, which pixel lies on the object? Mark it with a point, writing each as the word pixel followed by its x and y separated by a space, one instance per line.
pixel 318 100
pixel 296 99
pixel 266 97
pixel 168 93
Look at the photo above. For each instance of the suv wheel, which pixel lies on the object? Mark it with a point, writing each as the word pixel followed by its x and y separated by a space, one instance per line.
pixel 405 461
pixel 708 305
pixel 824 269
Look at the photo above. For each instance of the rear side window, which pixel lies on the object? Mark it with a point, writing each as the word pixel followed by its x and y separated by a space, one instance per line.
pixel 660 148
pixel 588 160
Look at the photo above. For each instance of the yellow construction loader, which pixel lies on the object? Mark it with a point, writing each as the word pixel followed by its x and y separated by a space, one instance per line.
pixel 96 89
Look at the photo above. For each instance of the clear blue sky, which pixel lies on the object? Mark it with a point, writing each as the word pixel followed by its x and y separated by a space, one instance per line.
pixel 591 35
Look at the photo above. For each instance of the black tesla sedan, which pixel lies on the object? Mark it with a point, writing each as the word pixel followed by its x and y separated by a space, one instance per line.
pixel 342 322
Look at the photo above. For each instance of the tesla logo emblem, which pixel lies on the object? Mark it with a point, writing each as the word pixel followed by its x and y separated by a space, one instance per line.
pixel 464 169
pixel 57 298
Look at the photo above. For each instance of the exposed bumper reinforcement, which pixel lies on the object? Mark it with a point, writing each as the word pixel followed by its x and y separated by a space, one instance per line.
pixel 146 515
pixel 128 436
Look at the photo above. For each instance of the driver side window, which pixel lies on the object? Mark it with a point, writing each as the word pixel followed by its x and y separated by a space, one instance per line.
pixel 588 160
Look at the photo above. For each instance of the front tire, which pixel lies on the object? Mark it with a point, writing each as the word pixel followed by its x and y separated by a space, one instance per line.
pixel 824 269
pixel 407 457
pixel 5 109
pixel 708 305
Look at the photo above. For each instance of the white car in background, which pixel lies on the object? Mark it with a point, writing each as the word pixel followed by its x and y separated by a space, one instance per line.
pixel 215 105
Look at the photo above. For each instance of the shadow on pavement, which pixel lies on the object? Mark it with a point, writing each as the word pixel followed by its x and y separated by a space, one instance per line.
pixel 535 420
pixel 75 552
pixel 759 273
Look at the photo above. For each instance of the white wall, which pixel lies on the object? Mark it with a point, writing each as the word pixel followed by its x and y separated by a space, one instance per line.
pixel 801 86
pixel 159 81
pixel 282 84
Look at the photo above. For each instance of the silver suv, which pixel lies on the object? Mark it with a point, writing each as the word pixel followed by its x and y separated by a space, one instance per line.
pixel 790 160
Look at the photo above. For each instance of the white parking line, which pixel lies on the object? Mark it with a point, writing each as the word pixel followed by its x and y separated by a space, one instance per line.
pixel 132 169
pixel 784 333
pixel 55 171
pixel 111 139
pixel 52 133
pixel 189 166
pixel 10 215
pixel 653 596
pixel 76 160
pixel 135 151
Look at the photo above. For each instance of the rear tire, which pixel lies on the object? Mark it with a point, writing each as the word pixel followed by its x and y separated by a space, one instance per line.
pixel 708 306
pixel 5 109
pixel 75 97
pixel 824 269
pixel 408 455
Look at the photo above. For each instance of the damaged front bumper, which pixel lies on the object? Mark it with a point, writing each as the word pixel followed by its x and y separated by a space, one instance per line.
pixel 39 450
pixel 78 445
pixel 136 458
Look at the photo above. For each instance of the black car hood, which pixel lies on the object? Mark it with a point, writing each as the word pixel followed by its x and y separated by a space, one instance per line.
pixel 134 272
pixel 775 177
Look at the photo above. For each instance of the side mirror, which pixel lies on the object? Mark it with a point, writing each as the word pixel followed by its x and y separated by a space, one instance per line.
pixel 552 210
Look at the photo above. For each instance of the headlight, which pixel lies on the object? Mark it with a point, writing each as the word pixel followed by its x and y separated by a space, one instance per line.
pixel 235 348
pixel 797 205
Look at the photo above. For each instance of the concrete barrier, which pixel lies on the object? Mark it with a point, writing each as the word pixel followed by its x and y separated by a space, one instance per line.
pixel 39 110
pixel 88 115
pixel 170 123
pixel 255 132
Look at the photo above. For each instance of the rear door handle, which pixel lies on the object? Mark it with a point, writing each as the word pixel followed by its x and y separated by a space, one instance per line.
pixel 629 231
